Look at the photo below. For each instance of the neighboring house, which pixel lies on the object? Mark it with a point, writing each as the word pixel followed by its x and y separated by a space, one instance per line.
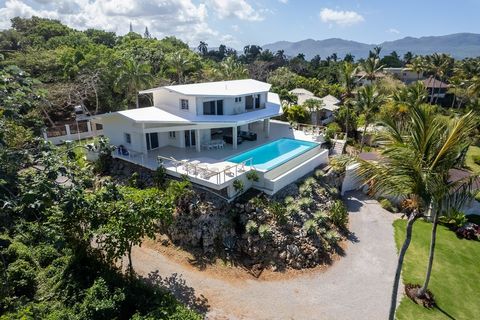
pixel 436 87
pixel 329 105
pixel 215 133
pixel 406 75
pixel 361 77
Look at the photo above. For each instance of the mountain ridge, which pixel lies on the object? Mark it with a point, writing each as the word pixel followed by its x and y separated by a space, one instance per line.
pixel 459 45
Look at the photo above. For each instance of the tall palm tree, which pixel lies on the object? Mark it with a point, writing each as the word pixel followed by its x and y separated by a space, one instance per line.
pixel 417 155
pixel 437 65
pixel 180 62
pixel 368 103
pixel 132 77
pixel 203 48
pixel 314 105
pixel 412 96
pixel 371 67
pixel 347 78
pixel 231 69
pixel 418 65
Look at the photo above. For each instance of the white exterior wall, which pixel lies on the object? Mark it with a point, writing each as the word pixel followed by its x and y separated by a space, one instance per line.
pixel 170 100
pixel 115 127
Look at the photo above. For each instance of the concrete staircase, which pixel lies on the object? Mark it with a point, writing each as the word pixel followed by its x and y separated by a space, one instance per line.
pixel 338 147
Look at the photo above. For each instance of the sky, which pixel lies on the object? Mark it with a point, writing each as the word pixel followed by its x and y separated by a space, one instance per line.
pixel 237 23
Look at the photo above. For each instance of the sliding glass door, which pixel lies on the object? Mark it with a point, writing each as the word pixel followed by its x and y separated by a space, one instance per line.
pixel 152 140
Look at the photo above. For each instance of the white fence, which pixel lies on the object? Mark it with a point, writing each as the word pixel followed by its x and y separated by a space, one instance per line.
pixel 74 131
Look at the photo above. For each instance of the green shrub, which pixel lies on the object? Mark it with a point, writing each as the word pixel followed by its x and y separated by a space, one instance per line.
pixel 319 173
pixel 321 217
pixel 293 208
pixel 387 205
pixel 476 159
pixel 279 211
pixel 251 227
pixel 288 200
pixel 160 175
pixel 238 185
pixel 454 218
pixel 305 203
pixel 339 214
pixel 332 237
pixel 305 190
pixel 264 231
pixel 477 196
pixel 310 226
pixel 22 278
pixel 100 302
pixel 45 254
pixel 253 175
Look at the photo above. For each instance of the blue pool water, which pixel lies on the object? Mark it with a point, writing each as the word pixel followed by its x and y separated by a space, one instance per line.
pixel 273 154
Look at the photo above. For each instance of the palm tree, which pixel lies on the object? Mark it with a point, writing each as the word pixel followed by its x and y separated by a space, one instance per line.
pixel 180 62
pixel 314 105
pixel 437 65
pixel 412 96
pixel 418 65
pixel 203 48
pixel 368 103
pixel 347 78
pixel 231 69
pixel 417 155
pixel 132 77
pixel 371 67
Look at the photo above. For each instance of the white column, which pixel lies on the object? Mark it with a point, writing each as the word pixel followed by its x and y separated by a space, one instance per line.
pixel 234 137
pixel 266 127
pixel 67 129
pixel 89 126
pixel 44 132
pixel 198 144
pixel 143 140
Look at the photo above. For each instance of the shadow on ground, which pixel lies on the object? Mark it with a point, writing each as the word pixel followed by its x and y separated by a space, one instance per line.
pixel 179 288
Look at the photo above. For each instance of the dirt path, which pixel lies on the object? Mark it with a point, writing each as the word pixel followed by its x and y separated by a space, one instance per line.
pixel 358 286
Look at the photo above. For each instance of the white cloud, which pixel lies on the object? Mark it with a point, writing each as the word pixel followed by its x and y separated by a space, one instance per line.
pixel 240 9
pixel 283 1
pixel 181 18
pixel 393 30
pixel 235 27
pixel 342 18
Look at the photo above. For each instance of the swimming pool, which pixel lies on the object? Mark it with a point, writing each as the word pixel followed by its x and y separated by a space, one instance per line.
pixel 275 153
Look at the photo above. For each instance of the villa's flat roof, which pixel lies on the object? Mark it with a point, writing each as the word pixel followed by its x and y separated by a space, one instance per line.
pixel 217 88
pixel 157 115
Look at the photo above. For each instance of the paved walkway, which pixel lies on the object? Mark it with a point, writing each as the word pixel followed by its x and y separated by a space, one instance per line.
pixel 358 286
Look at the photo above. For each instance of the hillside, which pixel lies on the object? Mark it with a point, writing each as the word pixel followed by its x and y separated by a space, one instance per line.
pixel 459 45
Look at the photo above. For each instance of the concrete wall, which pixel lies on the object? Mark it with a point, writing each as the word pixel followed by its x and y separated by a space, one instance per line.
pixel 115 127
pixel 351 181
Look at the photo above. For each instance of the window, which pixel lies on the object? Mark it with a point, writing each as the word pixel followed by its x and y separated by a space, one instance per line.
pixel 171 134
pixel 184 104
pixel 209 107
pixel 238 99
pixel 128 138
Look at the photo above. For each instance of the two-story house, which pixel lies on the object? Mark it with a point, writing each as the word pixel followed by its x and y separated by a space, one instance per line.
pixel 191 115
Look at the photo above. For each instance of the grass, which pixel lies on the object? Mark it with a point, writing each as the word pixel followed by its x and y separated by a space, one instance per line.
pixel 455 276
pixel 472 152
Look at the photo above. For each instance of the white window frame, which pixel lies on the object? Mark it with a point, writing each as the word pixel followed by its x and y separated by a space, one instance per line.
pixel 184 104
pixel 127 137
pixel 171 134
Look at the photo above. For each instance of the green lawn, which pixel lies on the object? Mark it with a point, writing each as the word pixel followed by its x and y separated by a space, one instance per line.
pixel 455 280
pixel 469 163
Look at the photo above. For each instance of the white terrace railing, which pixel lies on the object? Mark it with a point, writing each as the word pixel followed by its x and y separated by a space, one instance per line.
pixel 206 171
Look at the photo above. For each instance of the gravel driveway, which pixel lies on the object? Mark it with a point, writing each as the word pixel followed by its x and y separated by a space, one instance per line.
pixel 358 286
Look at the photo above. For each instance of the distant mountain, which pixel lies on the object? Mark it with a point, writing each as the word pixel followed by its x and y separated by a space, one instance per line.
pixel 459 45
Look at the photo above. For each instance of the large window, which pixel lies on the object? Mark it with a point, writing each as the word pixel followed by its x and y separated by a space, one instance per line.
pixel 184 104
pixel 152 140
pixel 249 102
pixel 213 107
pixel 171 134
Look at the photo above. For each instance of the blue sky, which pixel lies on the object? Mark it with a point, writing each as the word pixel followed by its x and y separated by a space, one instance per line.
pixel 240 22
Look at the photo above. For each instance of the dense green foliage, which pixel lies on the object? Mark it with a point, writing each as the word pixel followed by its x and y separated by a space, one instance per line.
pixel 455 273
pixel 54 208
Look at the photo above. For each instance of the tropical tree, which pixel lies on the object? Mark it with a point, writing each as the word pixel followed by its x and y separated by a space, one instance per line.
pixel 347 78
pixel 180 62
pixel 437 65
pixel 417 155
pixel 314 106
pixel 418 65
pixel 371 67
pixel 133 76
pixel 231 69
pixel 368 103
pixel 203 48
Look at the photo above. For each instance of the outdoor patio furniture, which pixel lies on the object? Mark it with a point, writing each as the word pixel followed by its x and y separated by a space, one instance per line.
pixel 229 139
pixel 122 151
pixel 246 135
pixel 228 170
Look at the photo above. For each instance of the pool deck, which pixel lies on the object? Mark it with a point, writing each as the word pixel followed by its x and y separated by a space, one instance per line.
pixel 215 159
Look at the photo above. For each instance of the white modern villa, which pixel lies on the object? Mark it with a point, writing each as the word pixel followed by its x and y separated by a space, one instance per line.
pixel 216 133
